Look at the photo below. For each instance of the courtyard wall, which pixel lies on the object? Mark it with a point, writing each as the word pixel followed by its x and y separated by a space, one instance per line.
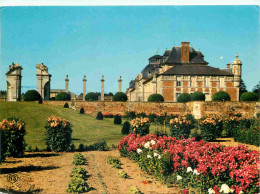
pixel 198 109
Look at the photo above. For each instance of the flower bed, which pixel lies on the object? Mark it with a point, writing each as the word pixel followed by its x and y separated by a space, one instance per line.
pixel 112 115
pixel 207 167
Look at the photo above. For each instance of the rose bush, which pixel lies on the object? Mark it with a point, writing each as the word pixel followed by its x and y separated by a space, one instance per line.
pixel 180 127
pixel 12 132
pixel 205 166
pixel 140 126
pixel 210 127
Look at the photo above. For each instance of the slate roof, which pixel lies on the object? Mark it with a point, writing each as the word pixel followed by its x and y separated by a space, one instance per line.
pixel 195 56
pixel 148 71
pixel 156 57
pixel 196 70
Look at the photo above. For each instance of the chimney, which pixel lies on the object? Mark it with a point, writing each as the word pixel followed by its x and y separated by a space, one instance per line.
pixel 185 52
pixel 228 66
pixel 67 84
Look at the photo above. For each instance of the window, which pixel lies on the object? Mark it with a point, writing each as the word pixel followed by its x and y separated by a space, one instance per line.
pixel 178 83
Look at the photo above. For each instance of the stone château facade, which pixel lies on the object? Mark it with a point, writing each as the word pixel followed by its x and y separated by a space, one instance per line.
pixel 184 70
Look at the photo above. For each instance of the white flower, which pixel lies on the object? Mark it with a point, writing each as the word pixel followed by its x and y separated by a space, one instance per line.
pixel 147 145
pixel 159 157
pixel 189 169
pixel 149 156
pixel 224 188
pixel 179 177
pixel 231 190
pixel 139 151
pixel 211 191
pixel 240 192
pixel 153 142
pixel 196 172
pixel 155 154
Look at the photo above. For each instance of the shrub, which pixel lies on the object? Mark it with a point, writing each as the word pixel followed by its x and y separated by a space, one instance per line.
pixel 184 97
pixel 230 125
pixel 197 96
pixel 101 145
pixel 117 120
pixel 79 173
pixel 31 95
pixel 140 126
pixel 78 159
pixel 155 98
pixel 72 148
pixel 160 133
pixel 12 132
pixel 120 96
pixel 221 96
pixel 141 114
pixel 130 115
pixel 126 128
pixel 99 116
pixel 77 185
pixel 36 149
pixel 122 174
pixel 210 128
pixel 66 105
pixel 114 161
pixel 81 147
pixel 249 96
pixel 58 134
pixel 40 101
pixel 152 117
pixel 180 127
pixel 91 96
pixel 82 111
pixel 63 96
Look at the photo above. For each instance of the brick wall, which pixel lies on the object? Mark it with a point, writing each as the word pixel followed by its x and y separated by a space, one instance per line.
pixel 198 109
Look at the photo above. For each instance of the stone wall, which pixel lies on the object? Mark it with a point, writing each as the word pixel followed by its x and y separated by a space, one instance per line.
pixel 198 109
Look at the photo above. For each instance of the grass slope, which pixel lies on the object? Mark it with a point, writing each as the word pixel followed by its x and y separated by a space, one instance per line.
pixel 86 129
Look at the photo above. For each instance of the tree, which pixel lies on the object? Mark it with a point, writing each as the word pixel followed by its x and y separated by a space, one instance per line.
pixel 256 89
pixel 242 87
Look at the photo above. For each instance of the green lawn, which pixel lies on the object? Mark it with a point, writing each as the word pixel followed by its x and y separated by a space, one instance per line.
pixel 86 129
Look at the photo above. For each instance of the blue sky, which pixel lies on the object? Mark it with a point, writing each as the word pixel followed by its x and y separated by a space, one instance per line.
pixel 117 41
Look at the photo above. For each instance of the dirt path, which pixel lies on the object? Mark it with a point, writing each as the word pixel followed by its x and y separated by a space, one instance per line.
pixel 49 173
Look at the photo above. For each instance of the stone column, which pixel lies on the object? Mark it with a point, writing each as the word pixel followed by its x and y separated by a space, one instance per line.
pixel 154 84
pixel 102 89
pixel 67 84
pixel 84 87
pixel 14 79
pixel 120 84
pixel 43 81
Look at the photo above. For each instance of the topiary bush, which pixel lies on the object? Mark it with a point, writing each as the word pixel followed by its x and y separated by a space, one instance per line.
pixel 58 134
pixel 31 95
pixel 63 96
pixel 66 105
pixel 155 98
pixel 40 101
pixel 81 148
pixel 82 111
pixel 120 96
pixel 184 97
pixel 99 116
pixel 221 96
pixel 117 120
pixel 91 96
pixel 126 128
pixel 249 96
pixel 12 132
pixel 197 96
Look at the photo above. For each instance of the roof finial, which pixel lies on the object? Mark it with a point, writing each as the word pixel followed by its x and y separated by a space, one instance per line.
pixel 157 51
pixel 237 55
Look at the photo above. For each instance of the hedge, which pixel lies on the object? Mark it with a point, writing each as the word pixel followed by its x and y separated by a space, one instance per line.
pixel 155 98
pixel 91 96
pixel 32 95
pixel 197 96
pixel 184 97
pixel 249 96
pixel 63 96
pixel 120 96
pixel 221 96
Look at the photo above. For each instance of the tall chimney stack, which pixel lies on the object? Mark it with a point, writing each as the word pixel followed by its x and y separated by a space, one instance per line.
pixel 102 89
pixel 120 84
pixel 228 66
pixel 185 52
pixel 67 84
